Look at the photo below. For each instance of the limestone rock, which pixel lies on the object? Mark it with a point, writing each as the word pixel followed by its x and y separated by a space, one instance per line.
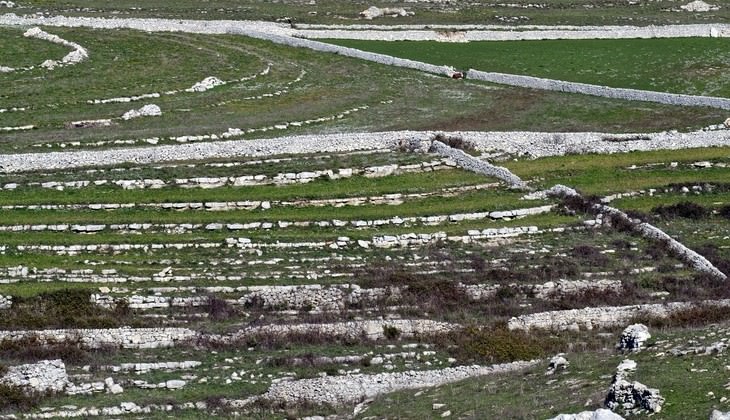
pixel 375 12
pixel 150 110
pixel 633 337
pixel 557 362
pixel 699 6
pixel 600 414
pixel 719 415
pixel 44 376
pixel 206 84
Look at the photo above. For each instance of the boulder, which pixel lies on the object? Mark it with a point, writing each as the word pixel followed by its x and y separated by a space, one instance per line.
pixel 719 415
pixel 633 337
pixel 557 362
pixel 150 110
pixel 375 12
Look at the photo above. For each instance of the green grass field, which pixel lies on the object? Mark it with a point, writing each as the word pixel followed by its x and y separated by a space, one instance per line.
pixel 583 12
pixel 696 66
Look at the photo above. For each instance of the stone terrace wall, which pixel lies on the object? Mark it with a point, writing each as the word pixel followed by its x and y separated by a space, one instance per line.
pixel 602 91
pixel 598 317
pixel 138 338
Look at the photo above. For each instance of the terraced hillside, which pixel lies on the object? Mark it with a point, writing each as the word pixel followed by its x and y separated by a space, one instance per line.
pixel 216 224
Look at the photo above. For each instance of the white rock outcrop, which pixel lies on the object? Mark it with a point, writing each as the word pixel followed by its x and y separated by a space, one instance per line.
pixel 150 110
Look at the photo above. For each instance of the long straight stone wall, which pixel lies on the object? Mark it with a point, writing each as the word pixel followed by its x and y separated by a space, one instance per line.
pixel 466 33
pixel 597 90
pixel 533 144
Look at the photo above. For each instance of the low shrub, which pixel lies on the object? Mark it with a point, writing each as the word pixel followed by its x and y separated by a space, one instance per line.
pixel 697 316
pixel 219 309
pixel 17 399
pixel 390 332
pixel 685 209
pixel 32 349
pixel 724 211
pixel 457 142
pixel 66 308
pixel 590 255
pixel 496 345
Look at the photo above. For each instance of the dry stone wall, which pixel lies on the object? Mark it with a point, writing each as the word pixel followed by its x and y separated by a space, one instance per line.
pixel 599 317
pixel 350 389
pixel 534 144
pixel 597 90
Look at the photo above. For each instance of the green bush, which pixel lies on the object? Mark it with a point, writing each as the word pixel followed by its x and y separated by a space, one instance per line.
pixel 497 345
pixel 390 332
pixel 14 398
pixel 65 308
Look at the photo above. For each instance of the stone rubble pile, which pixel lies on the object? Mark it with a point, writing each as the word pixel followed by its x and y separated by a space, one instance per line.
pixel 351 389
pixel 43 376
pixel 6 302
pixel 558 362
pixel 632 397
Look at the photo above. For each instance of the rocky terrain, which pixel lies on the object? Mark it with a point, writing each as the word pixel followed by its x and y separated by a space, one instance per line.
pixel 235 230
